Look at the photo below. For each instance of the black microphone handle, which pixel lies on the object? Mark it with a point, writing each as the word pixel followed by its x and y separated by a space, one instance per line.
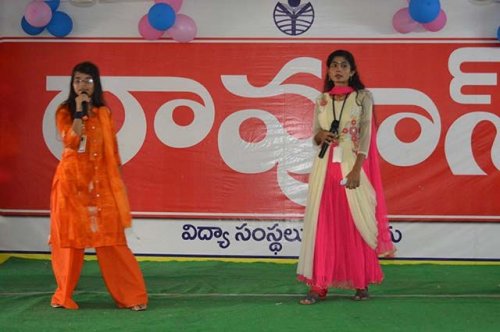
pixel 85 105
pixel 85 108
pixel 324 147
pixel 333 129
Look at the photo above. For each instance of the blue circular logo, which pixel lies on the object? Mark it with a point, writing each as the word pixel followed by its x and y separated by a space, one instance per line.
pixel 293 18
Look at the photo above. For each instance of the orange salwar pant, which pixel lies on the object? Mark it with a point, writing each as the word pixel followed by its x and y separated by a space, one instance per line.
pixel 119 268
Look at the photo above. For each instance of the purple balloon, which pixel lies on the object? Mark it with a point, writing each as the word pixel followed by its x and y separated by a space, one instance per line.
pixel 184 29
pixel 402 21
pixel 147 31
pixel 438 23
pixel 38 14
pixel 175 4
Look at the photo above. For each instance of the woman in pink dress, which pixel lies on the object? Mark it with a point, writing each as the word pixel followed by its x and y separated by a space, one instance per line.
pixel 345 222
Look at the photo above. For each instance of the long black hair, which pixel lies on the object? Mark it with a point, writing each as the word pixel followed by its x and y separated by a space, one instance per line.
pixel 354 81
pixel 97 97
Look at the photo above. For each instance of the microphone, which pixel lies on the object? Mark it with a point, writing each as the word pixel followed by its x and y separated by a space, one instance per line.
pixel 85 107
pixel 333 129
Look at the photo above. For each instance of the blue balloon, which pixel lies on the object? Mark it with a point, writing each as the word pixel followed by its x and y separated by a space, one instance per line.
pixel 60 25
pixel 53 4
pixel 29 29
pixel 424 11
pixel 161 16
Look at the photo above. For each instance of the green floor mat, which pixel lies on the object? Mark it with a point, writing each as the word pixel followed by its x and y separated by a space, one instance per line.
pixel 222 296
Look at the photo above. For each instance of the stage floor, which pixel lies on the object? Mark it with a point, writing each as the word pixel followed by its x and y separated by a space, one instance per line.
pixel 226 296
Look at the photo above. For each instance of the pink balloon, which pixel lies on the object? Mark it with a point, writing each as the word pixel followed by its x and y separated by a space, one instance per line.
pixel 184 29
pixel 402 21
pixel 438 23
pixel 147 31
pixel 175 4
pixel 38 14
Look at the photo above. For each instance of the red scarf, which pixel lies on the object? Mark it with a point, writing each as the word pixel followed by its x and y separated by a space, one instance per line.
pixel 341 90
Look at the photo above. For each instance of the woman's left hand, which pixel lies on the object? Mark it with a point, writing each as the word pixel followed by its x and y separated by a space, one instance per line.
pixel 353 179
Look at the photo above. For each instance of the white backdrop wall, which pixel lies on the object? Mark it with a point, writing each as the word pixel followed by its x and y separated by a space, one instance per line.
pixel 253 19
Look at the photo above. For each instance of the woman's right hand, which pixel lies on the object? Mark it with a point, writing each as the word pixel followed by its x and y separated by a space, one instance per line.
pixel 324 136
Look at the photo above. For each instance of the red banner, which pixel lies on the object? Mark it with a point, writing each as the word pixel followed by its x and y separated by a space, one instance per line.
pixel 223 130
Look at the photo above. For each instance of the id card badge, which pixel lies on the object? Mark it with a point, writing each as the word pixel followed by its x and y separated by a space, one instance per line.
pixel 83 144
pixel 337 154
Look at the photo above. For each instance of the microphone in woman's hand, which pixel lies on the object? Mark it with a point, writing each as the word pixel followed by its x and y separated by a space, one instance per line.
pixel 333 129
pixel 324 147
pixel 85 106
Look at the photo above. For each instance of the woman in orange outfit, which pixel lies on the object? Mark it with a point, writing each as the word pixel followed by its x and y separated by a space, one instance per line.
pixel 89 205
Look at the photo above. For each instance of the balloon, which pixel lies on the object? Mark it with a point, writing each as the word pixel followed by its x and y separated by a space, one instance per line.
pixel 438 23
pixel 402 22
pixel 29 29
pixel 147 31
pixel 60 25
pixel 184 29
pixel 175 4
pixel 38 14
pixel 424 11
pixel 53 4
pixel 161 16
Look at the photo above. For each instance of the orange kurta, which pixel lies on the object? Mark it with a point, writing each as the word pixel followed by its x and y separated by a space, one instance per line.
pixel 89 205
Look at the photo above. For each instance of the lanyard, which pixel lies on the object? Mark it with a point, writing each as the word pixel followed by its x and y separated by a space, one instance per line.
pixel 336 123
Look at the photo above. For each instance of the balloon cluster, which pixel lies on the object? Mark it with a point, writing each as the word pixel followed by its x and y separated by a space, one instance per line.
pixel 41 14
pixel 427 13
pixel 163 18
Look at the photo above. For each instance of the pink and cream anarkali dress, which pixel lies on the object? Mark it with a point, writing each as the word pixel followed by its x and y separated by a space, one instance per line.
pixel 345 230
